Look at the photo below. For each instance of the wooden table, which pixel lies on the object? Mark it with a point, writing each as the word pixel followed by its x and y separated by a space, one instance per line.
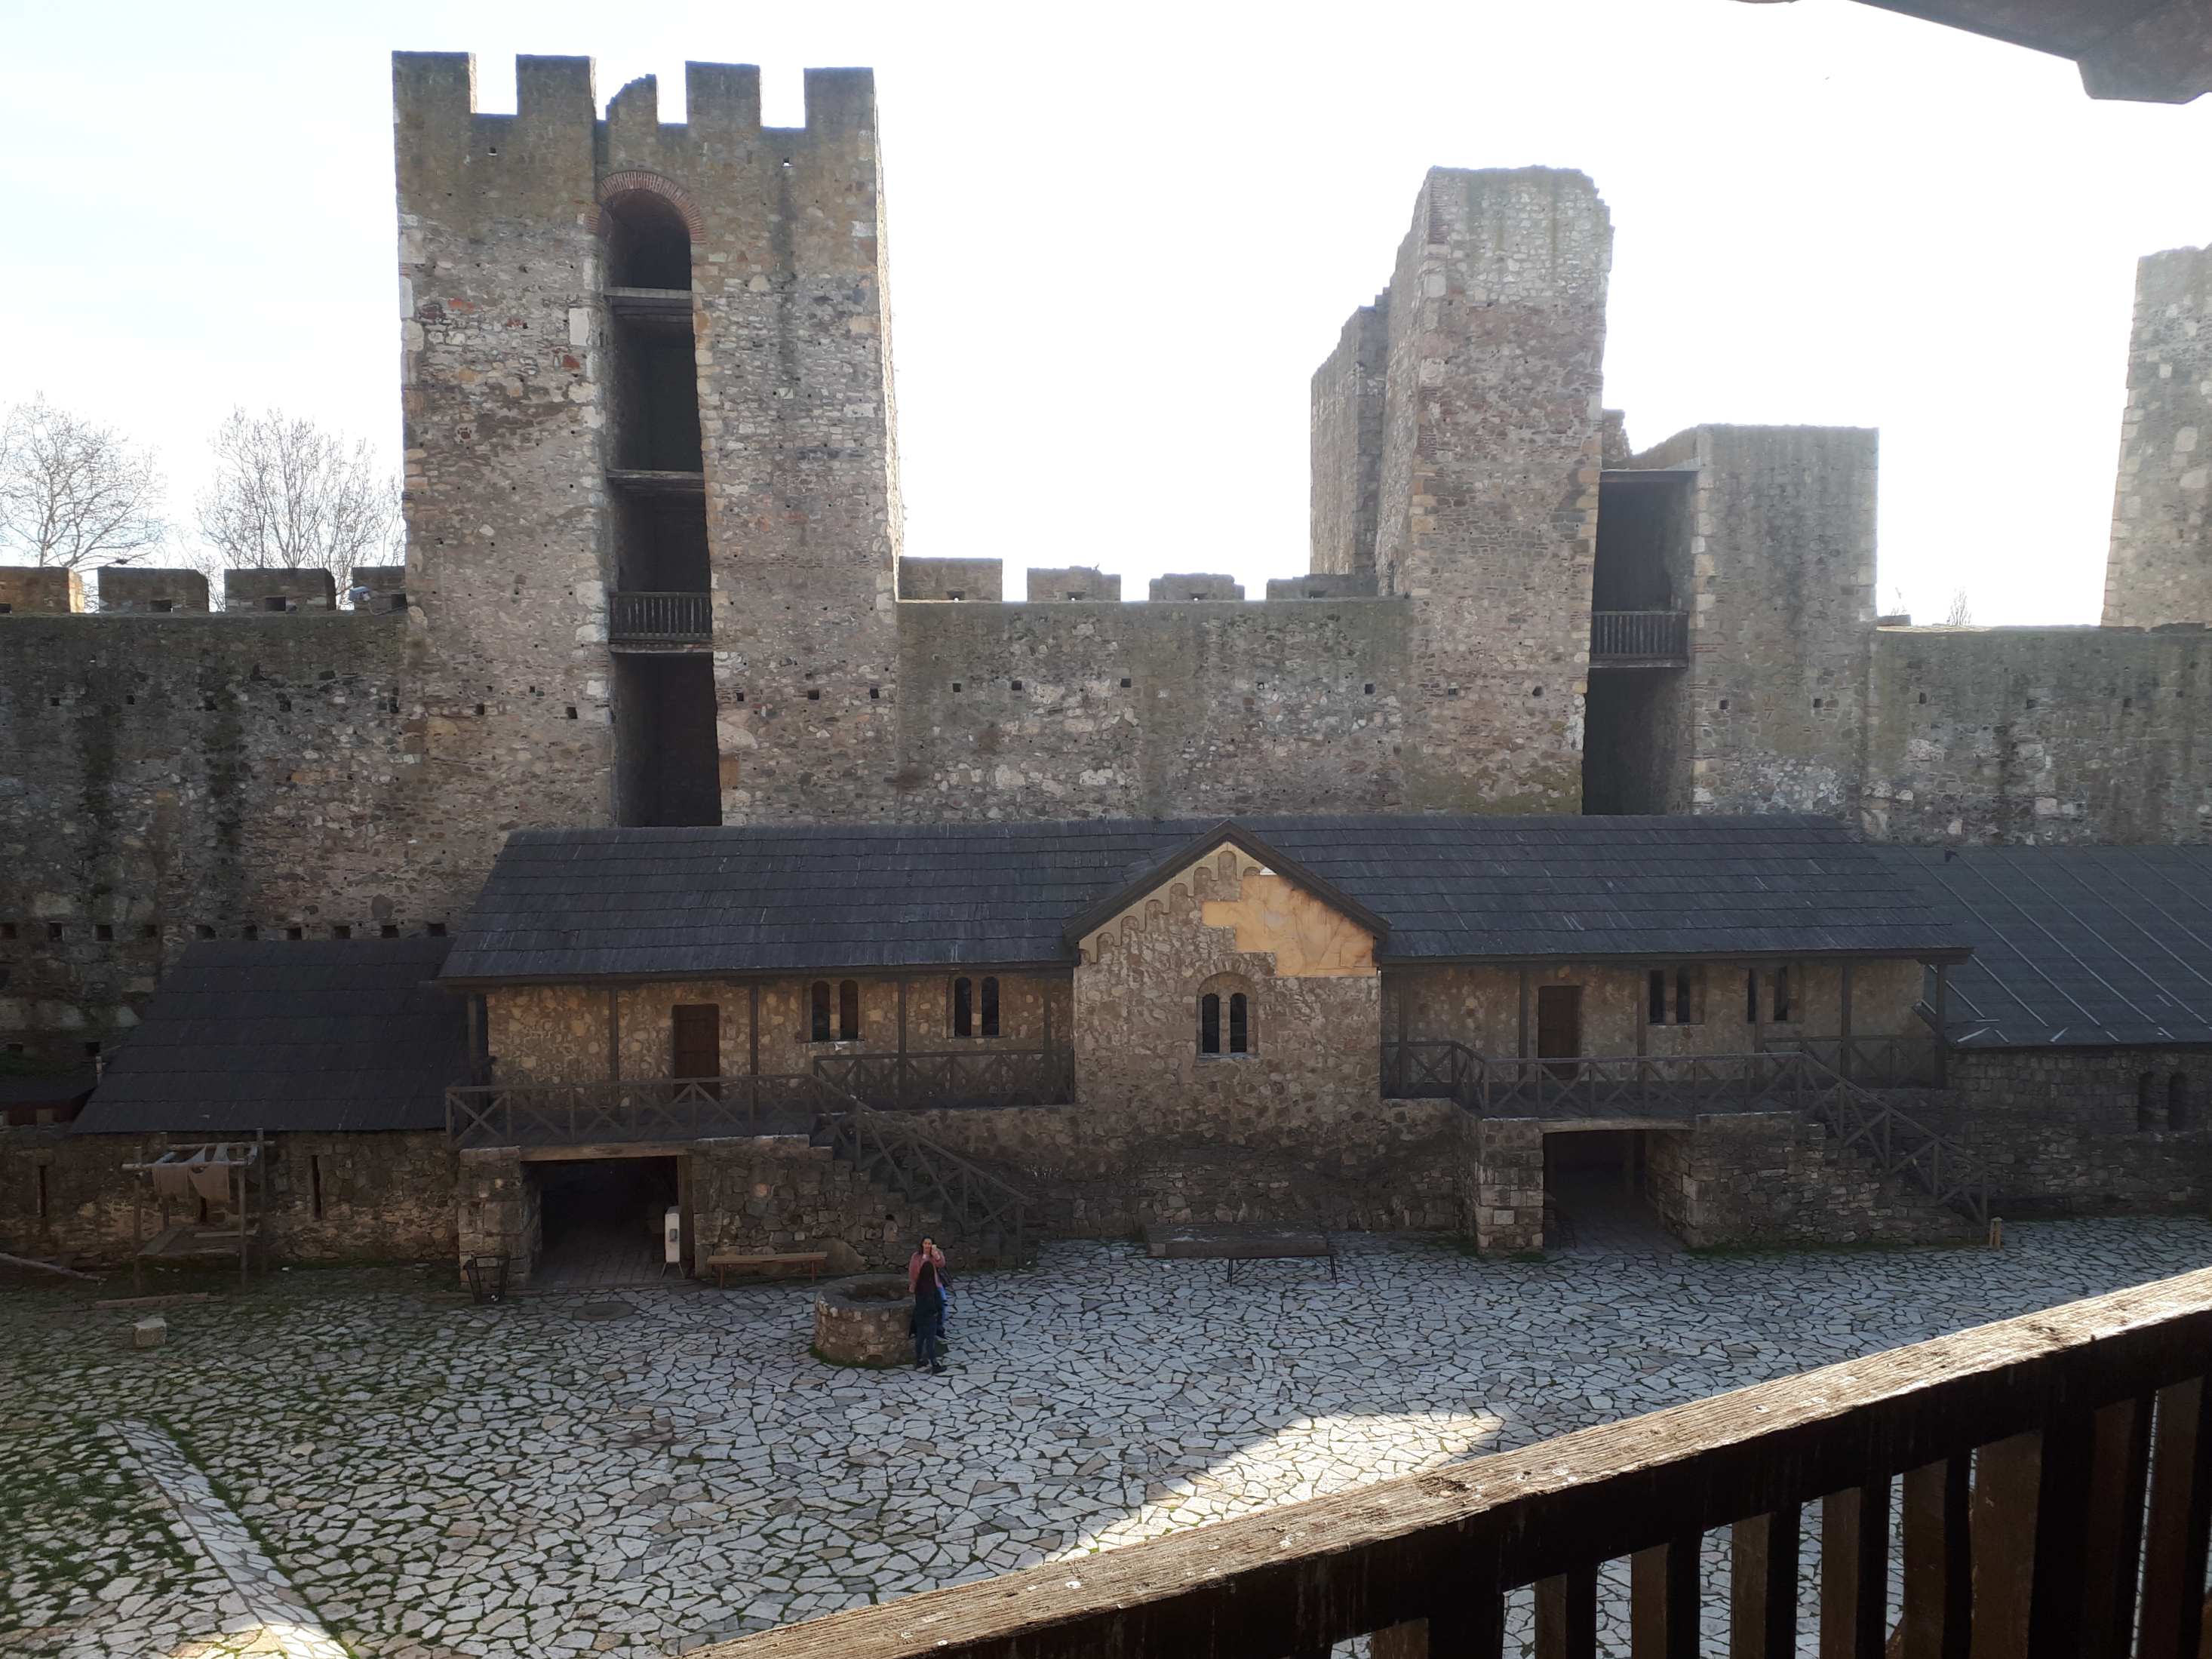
pixel 1242 1243
pixel 811 1259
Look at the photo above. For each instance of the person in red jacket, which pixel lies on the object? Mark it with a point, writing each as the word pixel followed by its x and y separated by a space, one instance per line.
pixel 925 1276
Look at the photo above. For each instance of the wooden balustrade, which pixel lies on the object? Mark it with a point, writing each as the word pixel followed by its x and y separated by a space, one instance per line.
pixel 661 618
pixel 1641 636
pixel 2054 1474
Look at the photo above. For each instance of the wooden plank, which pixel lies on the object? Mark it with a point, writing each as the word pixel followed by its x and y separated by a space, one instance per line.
pixel 1854 1572
pixel 1383 1551
pixel 2006 1476
pixel 1938 1563
pixel 1662 1599
pixel 2173 1554
pixel 1566 1615
pixel 1762 1553
pixel 2114 1555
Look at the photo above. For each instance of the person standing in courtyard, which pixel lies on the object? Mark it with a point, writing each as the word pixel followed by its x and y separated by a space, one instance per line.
pixel 925 1276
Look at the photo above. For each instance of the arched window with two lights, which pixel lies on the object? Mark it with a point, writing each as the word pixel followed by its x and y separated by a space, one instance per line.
pixel 1226 1024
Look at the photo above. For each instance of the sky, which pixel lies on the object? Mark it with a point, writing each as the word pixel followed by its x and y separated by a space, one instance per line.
pixel 1122 238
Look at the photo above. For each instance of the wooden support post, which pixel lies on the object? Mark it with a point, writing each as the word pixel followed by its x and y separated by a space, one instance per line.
pixel 1662 1599
pixel 476 1038
pixel 1844 1052
pixel 238 1217
pixel 752 1029
pixel 1763 1586
pixel 2119 1470
pixel 1473 1627
pixel 1854 1572
pixel 2180 1507
pixel 1524 1013
pixel 1938 1562
pixel 1942 1025
pixel 138 1179
pixel 614 1035
pixel 1566 1615
pixel 1758 1026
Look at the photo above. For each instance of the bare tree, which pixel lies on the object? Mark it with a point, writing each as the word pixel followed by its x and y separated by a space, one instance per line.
pixel 1960 615
pixel 74 493
pixel 289 496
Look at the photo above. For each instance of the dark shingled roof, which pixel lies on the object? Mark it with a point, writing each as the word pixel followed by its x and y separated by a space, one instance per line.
pixel 2074 946
pixel 671 903
pixel 290 1034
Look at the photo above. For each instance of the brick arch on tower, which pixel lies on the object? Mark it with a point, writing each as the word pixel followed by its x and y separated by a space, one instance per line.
pixel 632 181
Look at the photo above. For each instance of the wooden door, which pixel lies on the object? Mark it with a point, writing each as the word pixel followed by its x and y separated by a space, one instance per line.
pixel 698 1039
pixel 1558 1025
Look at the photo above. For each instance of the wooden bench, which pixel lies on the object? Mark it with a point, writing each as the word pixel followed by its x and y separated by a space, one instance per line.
pixel 723 1261
pixel 1238 1243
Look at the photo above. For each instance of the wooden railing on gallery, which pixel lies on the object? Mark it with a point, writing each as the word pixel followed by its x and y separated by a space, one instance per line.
pixel 2056 1480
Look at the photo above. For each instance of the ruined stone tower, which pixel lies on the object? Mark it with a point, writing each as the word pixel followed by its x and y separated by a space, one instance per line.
pixel 2160 571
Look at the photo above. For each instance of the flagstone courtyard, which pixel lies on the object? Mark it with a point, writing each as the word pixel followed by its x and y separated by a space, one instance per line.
pixel 353 1459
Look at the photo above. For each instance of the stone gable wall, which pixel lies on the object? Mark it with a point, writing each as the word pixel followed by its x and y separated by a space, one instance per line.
pixel 1136 1010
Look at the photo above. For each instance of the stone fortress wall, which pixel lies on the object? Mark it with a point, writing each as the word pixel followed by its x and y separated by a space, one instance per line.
pixel 647 362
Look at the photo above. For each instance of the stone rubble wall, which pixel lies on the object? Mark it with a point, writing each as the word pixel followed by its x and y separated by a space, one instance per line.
pixel 2010 736
pixel 2060 1130
pixel 176 773
pixel 1781 1178
pixel 385 1196
pixel 552 1034
pixel 1104 1172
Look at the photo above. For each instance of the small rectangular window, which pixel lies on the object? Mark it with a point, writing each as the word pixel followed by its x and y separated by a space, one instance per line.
pixel 6 930
pixel 1240 1025
pixel 1656 999
pixel 964 1007
pixel 341 930
pixel 315 1185
pixel 389 930
pixel 53 930
pixel 848 1011
pixel 1683 1014
pixel 1209 1023
pixel 819 1027
pixel 296 932
pixel 1781 994
pixel 990 1010
pixel 436 930
pixel 103 932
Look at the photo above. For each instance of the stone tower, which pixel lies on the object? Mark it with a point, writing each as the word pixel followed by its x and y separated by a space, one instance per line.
pixel 2159 567
pixel 652 492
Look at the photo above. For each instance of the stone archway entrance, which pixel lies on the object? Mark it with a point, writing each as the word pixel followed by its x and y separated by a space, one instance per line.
pixel 1594 1194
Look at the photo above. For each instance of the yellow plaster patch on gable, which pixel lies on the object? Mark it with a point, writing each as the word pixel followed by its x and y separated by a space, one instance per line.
pixel 1307 939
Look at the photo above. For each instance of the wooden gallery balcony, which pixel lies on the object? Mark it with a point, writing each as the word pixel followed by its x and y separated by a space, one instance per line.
pixel 2052 1476
pixel 1639 638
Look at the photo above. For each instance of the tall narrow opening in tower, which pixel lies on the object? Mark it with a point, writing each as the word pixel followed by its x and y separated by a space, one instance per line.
pixel 660 614
pixel 1636 740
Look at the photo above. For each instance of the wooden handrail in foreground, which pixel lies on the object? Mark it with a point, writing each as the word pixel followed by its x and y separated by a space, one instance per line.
pixel 2057 1493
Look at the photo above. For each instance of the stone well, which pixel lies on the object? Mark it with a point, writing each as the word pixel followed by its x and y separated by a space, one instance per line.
pixel 863 1322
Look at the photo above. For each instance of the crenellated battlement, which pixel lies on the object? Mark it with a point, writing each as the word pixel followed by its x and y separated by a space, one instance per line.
pixel 435 91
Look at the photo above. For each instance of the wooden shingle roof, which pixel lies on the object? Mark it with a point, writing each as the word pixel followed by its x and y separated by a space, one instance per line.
pixel 297 1035
pixel 565 905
